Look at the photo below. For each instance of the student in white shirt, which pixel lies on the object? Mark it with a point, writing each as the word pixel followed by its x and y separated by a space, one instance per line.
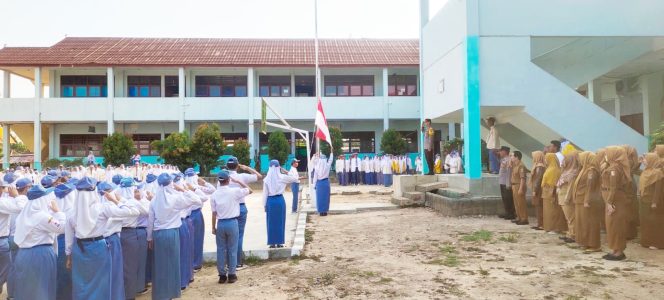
pixel 387 170
pixel 12 202
pixel 354 170
pixel 322 172
pixel 295 186
pixel 65 195
pixel 225 204
pixel 34 269
pixel 274 186
pixel 347 173
pixel 378 169
pixel 339 169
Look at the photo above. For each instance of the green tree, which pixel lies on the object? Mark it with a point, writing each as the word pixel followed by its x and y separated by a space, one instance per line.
pixel 241 151
pixel 117 149
pixel 393 143
pixel 657 138
pixel 207 146
pixel 278 147
pixel 176 150
pixel 18 148
pixel 337 142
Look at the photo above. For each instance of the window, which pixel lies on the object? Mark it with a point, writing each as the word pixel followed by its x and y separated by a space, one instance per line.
pixel 305 86
pixel 171 86
pixel 221 86
pixel 83 86
pixel 78 145
pixel 349 85
pixel 402 85
pixel 274 86
pixel 144 86
pixel 358 142
pixel 143 142
pixel 231 138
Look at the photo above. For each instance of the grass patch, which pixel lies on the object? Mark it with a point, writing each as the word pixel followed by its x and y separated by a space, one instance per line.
pixel 449 261
pixel 510 238
pixel 477 236
pixel 384 280
pixel 327 279
pixel 484 272
pixel 309 235
pixel 448 249
pixel 253 260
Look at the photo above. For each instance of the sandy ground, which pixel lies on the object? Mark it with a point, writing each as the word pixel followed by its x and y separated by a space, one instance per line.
pixel 415 253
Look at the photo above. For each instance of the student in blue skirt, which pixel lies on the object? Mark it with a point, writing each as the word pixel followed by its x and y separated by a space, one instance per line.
pixel 65 194
pixel 322 173
pixel 274 186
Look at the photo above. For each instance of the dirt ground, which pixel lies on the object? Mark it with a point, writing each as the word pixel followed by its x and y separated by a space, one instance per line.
pixel 415 253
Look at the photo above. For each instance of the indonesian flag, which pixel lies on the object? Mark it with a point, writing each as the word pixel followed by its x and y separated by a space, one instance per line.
pixel 322 131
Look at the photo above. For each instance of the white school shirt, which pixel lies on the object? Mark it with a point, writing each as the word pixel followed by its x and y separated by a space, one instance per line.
pixel 244 178
pixel 560 157
pixel 226 201
pixel 204 192
pixel 322 171
pixel 409 162
pixel 293 172
pixel 22 201
pixel 347 165
pixel 387 166
pixel 46 231
pixel 418 165
pixel 173 220
pixel 9 206
pixel 108 211
pixel 339 166
pixel 377 165
pixel 284 179
pixel 143 207
pixel 353 164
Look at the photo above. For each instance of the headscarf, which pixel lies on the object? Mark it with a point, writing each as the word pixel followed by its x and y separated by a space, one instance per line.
pixel 65 195
pixel 552 172
pixel 601 160
pixel 538 159
pixel 570 168
pixel 617 157
pixel 166 197
pixel 35 212
pixel 588 162
pixel 633 158
pixel 86 211
pixel 272 180
pixel 659 149
pixel 652 173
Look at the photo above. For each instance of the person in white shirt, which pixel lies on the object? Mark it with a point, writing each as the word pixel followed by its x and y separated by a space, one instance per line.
pixel 354 170
pixel 347 174
pixel 204 190
pixel 225 204
pixel 387 170
pixel 322 171
pixel 409 165
pixel 274 186
pixel 339 169
pixel 378 169
pixel 492 145
pixel 418 165
pixel 250 176
pixel 90 259
pixel 454 162
pixel 12 202
pixel 362 179
pixel 35 265
pixel 295 186
pixel 65 195
pixel 163 235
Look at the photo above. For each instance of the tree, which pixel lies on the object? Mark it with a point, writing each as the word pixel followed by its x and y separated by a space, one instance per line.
pixel 337 142
pixel 241 151
pixel 18 148
pixel 117 149
pixel 176 150
pixel 657 138
pixel 278 147
pixel 393 143
pixel 207 147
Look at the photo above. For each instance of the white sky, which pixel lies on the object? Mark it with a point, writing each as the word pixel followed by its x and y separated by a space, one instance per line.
pixel 45 22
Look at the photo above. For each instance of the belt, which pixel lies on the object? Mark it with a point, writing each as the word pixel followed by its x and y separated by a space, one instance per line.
pixel 133 228
pixel 228 219
pixel 40 245
pixel 242 204
pixel 79 242
pixel 4 237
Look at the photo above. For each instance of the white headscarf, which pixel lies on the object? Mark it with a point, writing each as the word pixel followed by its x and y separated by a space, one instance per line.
pixel 35 212
pixel 66 204
pixel 165 200
pixel 127 193
pixel 272 181
pixel 86 212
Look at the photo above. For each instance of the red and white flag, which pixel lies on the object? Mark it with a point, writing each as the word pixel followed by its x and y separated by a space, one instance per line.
pixel 322 131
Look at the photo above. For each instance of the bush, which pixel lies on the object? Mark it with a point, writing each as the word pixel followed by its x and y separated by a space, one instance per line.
pixel 454 144
pixel 18 148
pixel 393 143
pixel 241 150
pixel 278 147
pixel 207 146
pixel 337 142
pixel 175 150
pixel 657 138
pixel 54 163
pixel 117 149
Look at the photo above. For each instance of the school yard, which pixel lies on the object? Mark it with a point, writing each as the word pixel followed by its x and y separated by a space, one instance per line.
pixel 415 253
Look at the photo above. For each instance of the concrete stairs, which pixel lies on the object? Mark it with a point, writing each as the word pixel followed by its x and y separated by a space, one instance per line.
pixel 428 187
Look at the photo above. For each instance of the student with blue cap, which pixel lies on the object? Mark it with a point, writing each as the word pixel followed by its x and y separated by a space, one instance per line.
pixel 186 239
pixel 321 176
pixel 48 181
pixel 12 201
pixel 65 194
pixel 91 258
pixel 35 265
pixel 295 186
pixel 133 238
pixel 274 186
pixel 204 191
pixel 250 176
pixel 116 179
pixel 225 205
pixel 163 235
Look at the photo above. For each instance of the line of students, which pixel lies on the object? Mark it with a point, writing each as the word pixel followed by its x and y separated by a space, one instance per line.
pixel 376 170
pixel 87 239
pixel 580 193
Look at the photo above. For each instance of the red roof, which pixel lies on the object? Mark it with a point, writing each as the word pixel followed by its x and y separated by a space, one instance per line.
pixel 79 51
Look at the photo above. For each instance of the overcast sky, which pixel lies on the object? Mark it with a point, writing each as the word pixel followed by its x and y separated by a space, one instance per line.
pixel 45 22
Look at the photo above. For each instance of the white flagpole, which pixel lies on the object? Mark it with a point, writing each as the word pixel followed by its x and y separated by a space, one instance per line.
pixel 318 95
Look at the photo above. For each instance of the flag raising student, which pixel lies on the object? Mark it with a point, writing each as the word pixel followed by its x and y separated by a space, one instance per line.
pixel 274 186
pixel 321 174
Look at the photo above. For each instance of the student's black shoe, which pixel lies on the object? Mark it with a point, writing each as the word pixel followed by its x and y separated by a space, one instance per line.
pixel 191 280
pixel 222 279
pixel 569 240
pixel 232 278
pixel 272 246
pixel 614 257
pixel 196 269
pixel 183 288
pixel 502 216
pixel 280 246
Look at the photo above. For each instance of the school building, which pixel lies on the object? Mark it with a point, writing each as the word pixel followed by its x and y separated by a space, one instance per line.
pixel 87 88
pixel 589 71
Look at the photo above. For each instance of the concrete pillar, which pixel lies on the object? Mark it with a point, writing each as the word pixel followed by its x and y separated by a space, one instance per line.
pixel 652 91
pixel 6 129
pixel 292 138
pixel 386 102
pixel 6 84
pixel 162 91
pixel 292 84
pixel 110 107
pixel 424 13
pixel 251 133
pixel 181 94
pixel 37 119
pixel 616 106
pixel 378 137
pixel 51 141
pixel 451 130
pixel 471 112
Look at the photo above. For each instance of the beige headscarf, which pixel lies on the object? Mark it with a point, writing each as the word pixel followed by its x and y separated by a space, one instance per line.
pixel 659 149
pixel 570 168
pixel 633 158
pixel 588 162
pixel 652 173
pixel 601 160
pixel 617 157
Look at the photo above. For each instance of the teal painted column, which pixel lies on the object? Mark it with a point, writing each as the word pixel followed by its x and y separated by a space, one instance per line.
pixel 471 113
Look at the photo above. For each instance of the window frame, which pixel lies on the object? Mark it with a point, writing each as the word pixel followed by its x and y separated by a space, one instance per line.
pixel 203 88
pixel 147 84
pixel 394 81
pixel 344 85
pixel 79 83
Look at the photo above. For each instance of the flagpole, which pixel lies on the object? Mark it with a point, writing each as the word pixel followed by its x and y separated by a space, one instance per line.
pixel 317 70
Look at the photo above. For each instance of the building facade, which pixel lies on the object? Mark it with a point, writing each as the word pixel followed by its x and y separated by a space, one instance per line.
pixel 87 88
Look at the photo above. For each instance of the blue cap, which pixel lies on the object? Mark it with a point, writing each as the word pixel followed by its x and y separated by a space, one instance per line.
pixel 164 179
pixel 117 178
pixel 53 173
pixel 127 182
pixel 65 174
pixel 274 163
pixel 189 172
pixel 72 181
pixel 223 175
pixel 9 177
pixel 105 187
pixel 232 160
pixel 48 181
pixel 37 191
pixel 23 182
pixel 63 190
pixel 150 178
pixel 86 184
